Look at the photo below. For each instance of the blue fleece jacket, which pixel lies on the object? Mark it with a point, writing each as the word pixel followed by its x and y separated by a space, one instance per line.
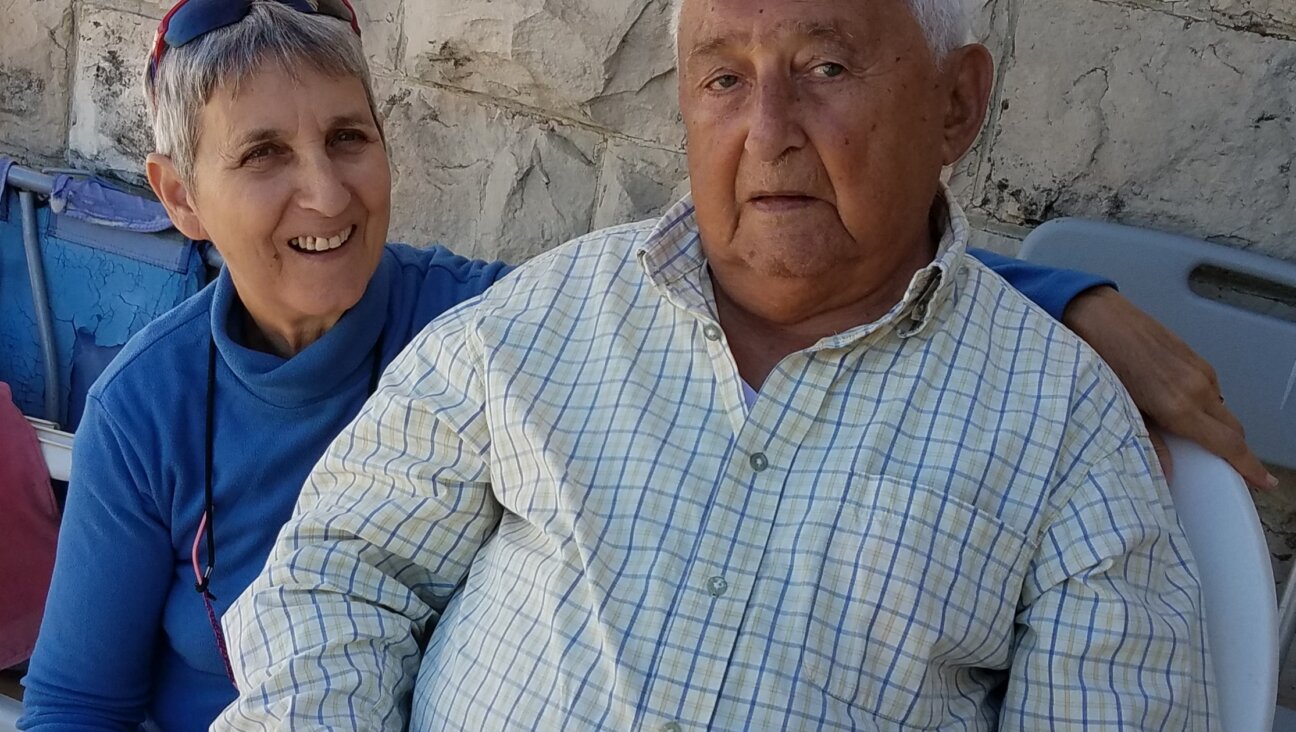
pixel 125 637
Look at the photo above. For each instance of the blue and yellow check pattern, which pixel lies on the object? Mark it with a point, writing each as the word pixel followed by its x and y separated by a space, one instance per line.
pixel 559 513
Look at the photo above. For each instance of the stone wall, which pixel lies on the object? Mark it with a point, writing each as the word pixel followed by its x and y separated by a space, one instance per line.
pixel 517 124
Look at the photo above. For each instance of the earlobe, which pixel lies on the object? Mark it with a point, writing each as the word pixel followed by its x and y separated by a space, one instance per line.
pixel 174 195
pixel 971 75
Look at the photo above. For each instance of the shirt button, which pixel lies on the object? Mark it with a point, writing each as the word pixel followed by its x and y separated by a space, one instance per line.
pixel 711 331
pixel 672 727
pixel 717 586
pixel 759 462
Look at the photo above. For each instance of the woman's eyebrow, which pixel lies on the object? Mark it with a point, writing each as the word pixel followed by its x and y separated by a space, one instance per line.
pixel 353 119
pixel 235 146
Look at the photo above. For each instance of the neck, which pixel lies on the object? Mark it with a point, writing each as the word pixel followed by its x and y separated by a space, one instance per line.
pixel 284 339
pixel 767 318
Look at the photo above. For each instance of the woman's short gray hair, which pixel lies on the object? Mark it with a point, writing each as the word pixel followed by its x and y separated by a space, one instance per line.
pixel 271 34
pixel 945 23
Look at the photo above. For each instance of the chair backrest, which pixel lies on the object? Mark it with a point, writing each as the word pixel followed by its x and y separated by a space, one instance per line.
pixel 1255 357
pixel 1254 353
pixel 1228 544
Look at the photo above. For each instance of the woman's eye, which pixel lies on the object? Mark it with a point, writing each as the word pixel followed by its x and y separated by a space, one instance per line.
pixel 260 152
pixel 349 136
pixel 720 83
pixel 830 70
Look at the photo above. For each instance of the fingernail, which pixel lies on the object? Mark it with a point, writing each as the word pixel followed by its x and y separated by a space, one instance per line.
pixel 1272 481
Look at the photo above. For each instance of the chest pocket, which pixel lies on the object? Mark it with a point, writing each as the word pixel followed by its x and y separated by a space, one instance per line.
pixel 914 616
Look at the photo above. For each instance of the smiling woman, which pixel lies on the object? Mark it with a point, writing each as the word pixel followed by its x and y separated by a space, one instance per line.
pixel 291 183
pixel 268 146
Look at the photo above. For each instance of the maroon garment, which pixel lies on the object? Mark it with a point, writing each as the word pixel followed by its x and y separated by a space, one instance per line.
pixel 28 533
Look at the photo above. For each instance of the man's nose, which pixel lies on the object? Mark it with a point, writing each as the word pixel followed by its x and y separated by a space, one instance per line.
pixel 775 126
pixel 321 188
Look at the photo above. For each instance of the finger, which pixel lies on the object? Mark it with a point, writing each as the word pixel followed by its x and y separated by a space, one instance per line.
pixel 1223 436
pixel 1220 412
pixel 1236 451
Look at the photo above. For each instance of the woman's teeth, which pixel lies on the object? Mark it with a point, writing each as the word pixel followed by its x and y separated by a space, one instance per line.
pixel 320 243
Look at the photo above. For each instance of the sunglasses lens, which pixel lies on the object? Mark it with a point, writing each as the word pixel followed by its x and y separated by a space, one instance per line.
pixel 195 18
pixel 199 17
pixel 191 19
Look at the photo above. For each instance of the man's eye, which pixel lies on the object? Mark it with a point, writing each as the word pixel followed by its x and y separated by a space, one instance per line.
pixel 830 70
pixel 725 81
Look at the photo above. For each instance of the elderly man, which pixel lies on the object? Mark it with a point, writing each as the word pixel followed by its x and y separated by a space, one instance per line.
pixel 785 458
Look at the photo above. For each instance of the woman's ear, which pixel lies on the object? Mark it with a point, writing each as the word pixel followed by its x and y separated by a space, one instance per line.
pixel 175 196
pixel 970 71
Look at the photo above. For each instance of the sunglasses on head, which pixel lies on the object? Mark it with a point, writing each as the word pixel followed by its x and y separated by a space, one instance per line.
pixel 191 19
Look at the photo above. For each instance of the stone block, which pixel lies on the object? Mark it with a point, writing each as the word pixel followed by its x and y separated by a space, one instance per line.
pixel 994 238
pixel 602 62
pixel 1277 17
pixel 382 25
pixel 637 182
pixel 485 180
pixel 110 128
pixel 151 9
pixel 34 59
pixel 1133 115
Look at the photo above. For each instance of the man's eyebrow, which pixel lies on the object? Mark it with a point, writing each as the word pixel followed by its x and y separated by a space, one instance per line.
pixel 714 45
pixel 826 31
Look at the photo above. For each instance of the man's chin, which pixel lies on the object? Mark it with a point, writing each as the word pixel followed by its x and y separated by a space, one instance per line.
pixel 795 259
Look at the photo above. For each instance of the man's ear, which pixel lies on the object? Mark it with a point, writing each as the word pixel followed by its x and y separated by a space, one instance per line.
pixel 175 196
pixel 970 76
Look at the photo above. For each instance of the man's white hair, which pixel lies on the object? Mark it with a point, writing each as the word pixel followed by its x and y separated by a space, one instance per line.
pixel 945 23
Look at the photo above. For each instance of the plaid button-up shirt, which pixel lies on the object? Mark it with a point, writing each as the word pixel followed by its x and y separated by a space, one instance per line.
pixel 559 513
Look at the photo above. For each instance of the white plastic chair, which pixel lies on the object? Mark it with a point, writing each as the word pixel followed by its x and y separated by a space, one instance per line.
pixel 1228 544
pixel 1255 357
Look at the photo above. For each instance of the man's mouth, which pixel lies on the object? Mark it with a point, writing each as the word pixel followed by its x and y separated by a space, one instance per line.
pixel 776 202
pixel 309 244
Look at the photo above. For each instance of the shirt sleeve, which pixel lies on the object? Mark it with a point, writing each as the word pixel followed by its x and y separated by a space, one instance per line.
pixel 1110 632
pixel 330 634
pixel 93 664
pixel 1051 289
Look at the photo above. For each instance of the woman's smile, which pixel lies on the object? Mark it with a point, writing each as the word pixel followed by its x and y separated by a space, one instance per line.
pixel 321 244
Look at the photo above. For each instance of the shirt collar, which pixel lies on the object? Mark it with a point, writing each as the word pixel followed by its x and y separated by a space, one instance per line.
pixel 673 261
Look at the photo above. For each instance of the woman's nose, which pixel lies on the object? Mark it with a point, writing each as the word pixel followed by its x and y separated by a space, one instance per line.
pixel 321 188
